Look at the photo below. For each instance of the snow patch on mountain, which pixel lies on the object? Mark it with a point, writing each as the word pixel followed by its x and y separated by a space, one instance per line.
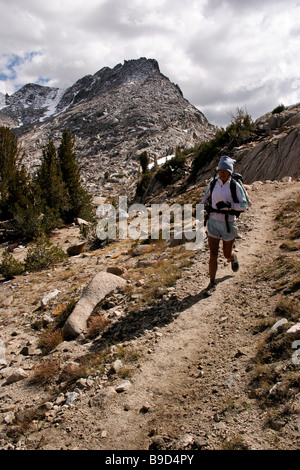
pixel 51 104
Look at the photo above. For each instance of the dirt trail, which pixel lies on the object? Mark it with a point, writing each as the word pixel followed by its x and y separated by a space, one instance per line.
pixel 192 383
pixel 198 366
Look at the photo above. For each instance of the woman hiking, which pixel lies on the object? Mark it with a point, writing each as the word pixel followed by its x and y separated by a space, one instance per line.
pixel 224 200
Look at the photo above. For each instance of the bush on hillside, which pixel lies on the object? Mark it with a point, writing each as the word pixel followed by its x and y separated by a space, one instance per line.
pixel 10 267
pixel 238 132
pixel 278 109
pixel 171 170
pixel 143 184
pixel 43 254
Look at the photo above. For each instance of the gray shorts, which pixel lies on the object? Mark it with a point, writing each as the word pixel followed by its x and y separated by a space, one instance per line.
pixel 218 229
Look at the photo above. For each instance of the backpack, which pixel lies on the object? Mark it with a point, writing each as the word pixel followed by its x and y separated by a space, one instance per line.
pixel 235 178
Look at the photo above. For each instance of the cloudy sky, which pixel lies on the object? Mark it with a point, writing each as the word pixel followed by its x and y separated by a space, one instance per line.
pixel 224 54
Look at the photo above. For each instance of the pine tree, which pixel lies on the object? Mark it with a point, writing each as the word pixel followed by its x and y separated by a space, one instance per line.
pixel 17 195
pixel 80 201
pixel 144 161
pixel 8 166
pixel 14 181
pixel 50 187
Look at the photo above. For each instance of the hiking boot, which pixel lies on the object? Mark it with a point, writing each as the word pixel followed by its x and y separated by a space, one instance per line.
pixel 235 264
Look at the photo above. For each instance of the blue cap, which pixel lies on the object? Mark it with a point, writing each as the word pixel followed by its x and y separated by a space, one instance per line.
pixel 226 163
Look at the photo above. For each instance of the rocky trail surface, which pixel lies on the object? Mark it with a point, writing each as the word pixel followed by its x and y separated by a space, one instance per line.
pixel 189 388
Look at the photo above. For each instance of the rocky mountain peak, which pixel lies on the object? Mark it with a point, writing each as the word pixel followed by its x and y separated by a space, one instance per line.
pixel 114 115
pixel 131 72
pixel 29 104
pixel 131 68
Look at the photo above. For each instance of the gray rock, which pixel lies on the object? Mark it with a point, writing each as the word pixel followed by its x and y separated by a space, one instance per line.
pixel 278 325
pixel 102 397
pixel 115 270
pixel 295 329
pixel 82 221
pixel 49 297
pixel 272 157
pixel 157 443
pixel 76 250
pixel 185 441
pixel 71 397
pixel 100 286
pixel 9 418
pixel 123 386
pixel 16 376
pixel 117 365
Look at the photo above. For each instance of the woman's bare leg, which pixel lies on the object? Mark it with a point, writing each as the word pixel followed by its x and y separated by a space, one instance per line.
pixel 228 249
pixel 213 244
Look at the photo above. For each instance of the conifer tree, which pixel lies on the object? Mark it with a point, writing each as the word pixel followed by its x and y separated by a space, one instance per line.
pixel 80 201
pixel 8 165
pixel 17 195
pixel 14 181
pixel 144 161
pixel 50 186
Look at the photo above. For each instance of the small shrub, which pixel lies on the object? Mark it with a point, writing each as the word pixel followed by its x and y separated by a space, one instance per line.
pixel 172 170
pixel 275 347
pixel 127 354
pixel 62 313
pixel 93 363
pixel 125 372
pixel 235 443
pixel 236 133
pixel 143 184
pixel 278 109
pixel 97 325
pixel 144 161
pixel 288 308
pixel 49 340
pixel 27 223
pixel 9 266
pixel 43 255
pixel 45 372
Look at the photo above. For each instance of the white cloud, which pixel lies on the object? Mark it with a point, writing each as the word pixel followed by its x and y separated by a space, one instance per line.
pixel 223 54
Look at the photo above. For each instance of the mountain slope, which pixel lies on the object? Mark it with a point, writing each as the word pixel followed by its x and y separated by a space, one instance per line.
pixel 189 360
pixel 272 153
pixel 114 116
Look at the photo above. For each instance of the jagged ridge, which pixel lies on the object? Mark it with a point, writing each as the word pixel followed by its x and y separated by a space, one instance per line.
pixel 114 116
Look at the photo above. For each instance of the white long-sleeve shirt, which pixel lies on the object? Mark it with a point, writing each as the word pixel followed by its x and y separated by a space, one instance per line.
pixel 222 192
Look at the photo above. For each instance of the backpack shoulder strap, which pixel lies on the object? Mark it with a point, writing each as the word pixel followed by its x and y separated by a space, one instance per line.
pixel 233 190
pixel 212 185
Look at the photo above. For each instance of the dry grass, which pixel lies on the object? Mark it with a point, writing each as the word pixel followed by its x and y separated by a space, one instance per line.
pixel 162 274
pixel 275 379
pixel 288 308
pixel 285 269
pixel 97 325
pixel 49 340
pixel 283 273
pixel 45 373
pixel 235 443
pixel 288 217
pixel 127 354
